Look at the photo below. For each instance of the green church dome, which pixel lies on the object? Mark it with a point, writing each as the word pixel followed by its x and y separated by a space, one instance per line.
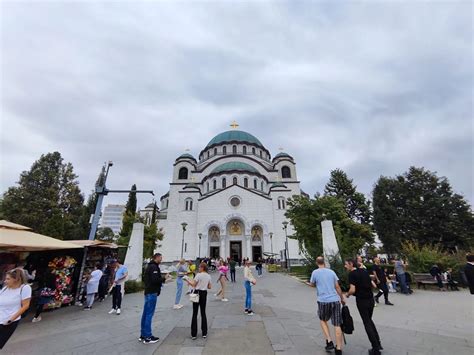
pixel 186 155
pixel 234 166
pixel 234 136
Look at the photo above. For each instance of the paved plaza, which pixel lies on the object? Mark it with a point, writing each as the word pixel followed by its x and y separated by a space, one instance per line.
pixel 427 322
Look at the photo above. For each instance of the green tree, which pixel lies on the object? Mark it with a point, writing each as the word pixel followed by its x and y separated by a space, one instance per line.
pixel 152 235
pixel 47 199
pixel 421 207
pixel 355 203
pixel 131 206
pixel 306 216
pixel 105 234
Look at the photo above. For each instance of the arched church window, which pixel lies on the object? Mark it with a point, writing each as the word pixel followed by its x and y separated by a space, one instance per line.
pixel 245 150
pixel 254 151
pixel 234 149
pixel 208 154
pixel 214 184
pixel 286 172
pixel 246 182
pixel 234 180
pixel 224 150
pixel 281 203
pixel 215 151
pixel 261 186
pixel 214 234
pixel 188 204
pixel 207 186
pixel 224 183
pixel 167 203
pixel 261 154
pixel 255 184
pixel 183 173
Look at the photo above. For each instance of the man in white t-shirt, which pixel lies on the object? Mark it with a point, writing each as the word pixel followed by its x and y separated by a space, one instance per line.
pixel 15 299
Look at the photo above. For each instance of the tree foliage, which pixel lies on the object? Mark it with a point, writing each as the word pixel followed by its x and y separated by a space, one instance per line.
pixel 105 234
pixel 421 207
pixel 355 203
pixel 47 199
pixel 306 216
pixel 131 206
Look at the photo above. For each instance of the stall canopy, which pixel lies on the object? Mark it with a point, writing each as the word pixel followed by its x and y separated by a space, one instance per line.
pixel 94 244
pixel 15 237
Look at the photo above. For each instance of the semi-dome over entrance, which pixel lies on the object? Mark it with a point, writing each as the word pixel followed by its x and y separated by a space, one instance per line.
pixel 234 136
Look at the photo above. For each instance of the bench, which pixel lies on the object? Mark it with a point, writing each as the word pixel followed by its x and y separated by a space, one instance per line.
pixel 422 279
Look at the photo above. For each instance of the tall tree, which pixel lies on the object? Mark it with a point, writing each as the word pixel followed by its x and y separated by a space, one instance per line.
pixel 306 216
pixel 47 199
pixel 155 212
pixel 131 206
pixel 355 203
pixel 421 207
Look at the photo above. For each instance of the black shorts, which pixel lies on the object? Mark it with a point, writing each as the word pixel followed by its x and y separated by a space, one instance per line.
pixel 331 311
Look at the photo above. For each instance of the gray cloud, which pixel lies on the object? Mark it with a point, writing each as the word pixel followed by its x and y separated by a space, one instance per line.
pixel 371 88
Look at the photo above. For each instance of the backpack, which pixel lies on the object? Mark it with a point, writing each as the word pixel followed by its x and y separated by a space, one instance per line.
pixel 347 325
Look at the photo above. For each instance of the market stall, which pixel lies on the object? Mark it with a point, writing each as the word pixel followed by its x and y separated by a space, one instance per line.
pixel 42 258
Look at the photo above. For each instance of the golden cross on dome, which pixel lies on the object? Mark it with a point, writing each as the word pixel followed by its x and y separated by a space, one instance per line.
pixel 280 149
pixel 187 150
pixel 234 125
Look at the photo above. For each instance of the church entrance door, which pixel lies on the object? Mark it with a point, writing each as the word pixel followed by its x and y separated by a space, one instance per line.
pixel 236 250
pixel 256 253
pixel 214 253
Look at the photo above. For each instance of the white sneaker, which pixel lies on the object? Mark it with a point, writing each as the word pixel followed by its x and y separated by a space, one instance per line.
pixel 180 306
pixel 225 300
pixel 112 311
pixel 118 311
pixel 176 306
pixel 36 320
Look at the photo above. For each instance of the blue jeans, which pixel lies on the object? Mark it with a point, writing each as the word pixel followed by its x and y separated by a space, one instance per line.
pixel 147 315
pixel 179 289
pixel 248 295
pixel 403 283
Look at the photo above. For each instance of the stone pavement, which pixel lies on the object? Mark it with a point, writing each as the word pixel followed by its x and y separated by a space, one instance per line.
pixel 427 322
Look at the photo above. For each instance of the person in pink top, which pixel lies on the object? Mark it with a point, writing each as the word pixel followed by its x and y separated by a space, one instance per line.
pixel 223 270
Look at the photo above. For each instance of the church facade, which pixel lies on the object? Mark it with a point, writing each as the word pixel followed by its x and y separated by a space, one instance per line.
pixel 229 202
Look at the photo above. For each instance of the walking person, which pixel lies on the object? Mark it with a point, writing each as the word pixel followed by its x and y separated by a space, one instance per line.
pixel 121 274
pixel 92 286
pixel 469 272
pixel 223 269
pixel 330 298
pixel 259 267
pixel 182 270
pixel 47 289
pixel 232 265
pixel 201 283
pixel 104 283
pixel 361 288
pixel 153 282
pixel 381 282
pixel 248 283
pixel 15 297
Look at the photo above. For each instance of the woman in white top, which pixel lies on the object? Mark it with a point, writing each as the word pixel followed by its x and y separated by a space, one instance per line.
pixel 93 285
pixel 15 299
pixel 201 283
pixel 249 281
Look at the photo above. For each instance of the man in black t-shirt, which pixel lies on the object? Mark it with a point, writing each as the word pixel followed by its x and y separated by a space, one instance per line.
pixel 361 288
pixel 380 281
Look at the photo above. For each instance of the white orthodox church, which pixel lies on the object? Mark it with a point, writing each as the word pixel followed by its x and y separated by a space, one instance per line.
pixel 230 202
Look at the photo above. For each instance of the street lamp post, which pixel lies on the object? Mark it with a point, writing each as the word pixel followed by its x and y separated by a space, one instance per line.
pixel 287 252
pixel 200 236
pixel 184 224
pixel 271 242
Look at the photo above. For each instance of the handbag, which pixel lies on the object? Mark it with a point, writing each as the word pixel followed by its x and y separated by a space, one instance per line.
pixel 194 296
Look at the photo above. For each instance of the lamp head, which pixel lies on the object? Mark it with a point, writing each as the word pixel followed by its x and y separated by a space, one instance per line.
pixel 184 224
pixel 200 235
pixel 285 224
pixel 270 234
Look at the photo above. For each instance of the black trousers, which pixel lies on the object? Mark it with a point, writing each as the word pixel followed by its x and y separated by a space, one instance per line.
pixel 232 275
pixel 199 306
pixel 383 290
pixel 117 297
pixel 39 310
pixel 6 331
pixel 366 309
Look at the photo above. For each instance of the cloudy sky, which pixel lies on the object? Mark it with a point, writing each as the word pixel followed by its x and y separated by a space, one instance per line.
pixel 369 87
